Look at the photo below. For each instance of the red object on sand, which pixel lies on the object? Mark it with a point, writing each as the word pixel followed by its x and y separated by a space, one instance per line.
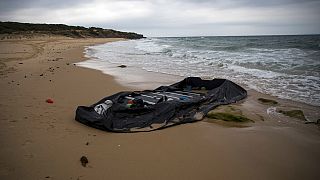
pixel 49 101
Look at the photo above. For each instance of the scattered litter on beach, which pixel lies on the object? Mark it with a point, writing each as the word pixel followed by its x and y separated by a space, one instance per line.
pixel 272 110
pixel 50 101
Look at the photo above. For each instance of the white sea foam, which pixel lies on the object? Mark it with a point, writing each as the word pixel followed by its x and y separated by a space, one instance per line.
pixel 289 73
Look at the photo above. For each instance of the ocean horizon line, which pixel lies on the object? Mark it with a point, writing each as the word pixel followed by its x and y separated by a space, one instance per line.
pixel 262 35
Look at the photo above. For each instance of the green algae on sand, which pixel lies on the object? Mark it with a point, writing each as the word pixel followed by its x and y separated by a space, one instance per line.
pixel 267 101
pixel 293 113
pixel 228 117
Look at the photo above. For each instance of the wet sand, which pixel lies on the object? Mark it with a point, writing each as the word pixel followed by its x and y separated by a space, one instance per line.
pixel 43 141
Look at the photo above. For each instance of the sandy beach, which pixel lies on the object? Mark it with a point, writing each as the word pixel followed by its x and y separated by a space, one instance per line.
pixel 43 141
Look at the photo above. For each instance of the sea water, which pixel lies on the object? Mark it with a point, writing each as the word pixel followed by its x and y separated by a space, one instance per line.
pixel 283 66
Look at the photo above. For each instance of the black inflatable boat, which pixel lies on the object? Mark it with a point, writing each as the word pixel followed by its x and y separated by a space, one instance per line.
pixel 186 101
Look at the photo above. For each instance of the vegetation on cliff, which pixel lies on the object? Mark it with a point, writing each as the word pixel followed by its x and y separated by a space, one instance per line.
pixel 64 30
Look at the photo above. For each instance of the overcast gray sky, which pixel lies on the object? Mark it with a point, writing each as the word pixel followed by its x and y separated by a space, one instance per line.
pixel 173 17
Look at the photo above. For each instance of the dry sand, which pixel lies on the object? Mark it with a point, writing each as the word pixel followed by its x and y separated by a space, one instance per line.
pixel 43 141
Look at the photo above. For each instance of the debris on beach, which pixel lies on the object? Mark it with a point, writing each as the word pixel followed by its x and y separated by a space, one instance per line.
pixel 186 101
pixel 51 69
pixel 122 66
pixel 84 161
pixel 50 101
pixel 56 59
pixel 41 74
pixel 272 110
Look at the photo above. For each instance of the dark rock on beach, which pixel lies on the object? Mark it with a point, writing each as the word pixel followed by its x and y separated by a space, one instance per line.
pixel 122 66
pixel 84 161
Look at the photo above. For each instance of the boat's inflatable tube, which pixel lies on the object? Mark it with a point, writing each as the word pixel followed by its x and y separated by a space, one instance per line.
pixel 186 101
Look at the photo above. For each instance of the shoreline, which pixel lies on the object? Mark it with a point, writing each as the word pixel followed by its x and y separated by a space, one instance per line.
pixel 44 141
pixel 99 61
pixel 140 79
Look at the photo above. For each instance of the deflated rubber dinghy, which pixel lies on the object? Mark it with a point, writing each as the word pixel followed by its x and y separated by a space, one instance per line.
pixel 184 102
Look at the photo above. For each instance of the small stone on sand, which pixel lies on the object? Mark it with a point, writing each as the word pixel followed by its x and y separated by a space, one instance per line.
pixel 84 161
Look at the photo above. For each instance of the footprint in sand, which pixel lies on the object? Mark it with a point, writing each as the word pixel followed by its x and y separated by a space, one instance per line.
pixel 27 142
pixel 50 127
pixel 29 156
pixel 5 170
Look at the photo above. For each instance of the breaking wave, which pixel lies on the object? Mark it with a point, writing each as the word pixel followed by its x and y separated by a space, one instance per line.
pixel 283 66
